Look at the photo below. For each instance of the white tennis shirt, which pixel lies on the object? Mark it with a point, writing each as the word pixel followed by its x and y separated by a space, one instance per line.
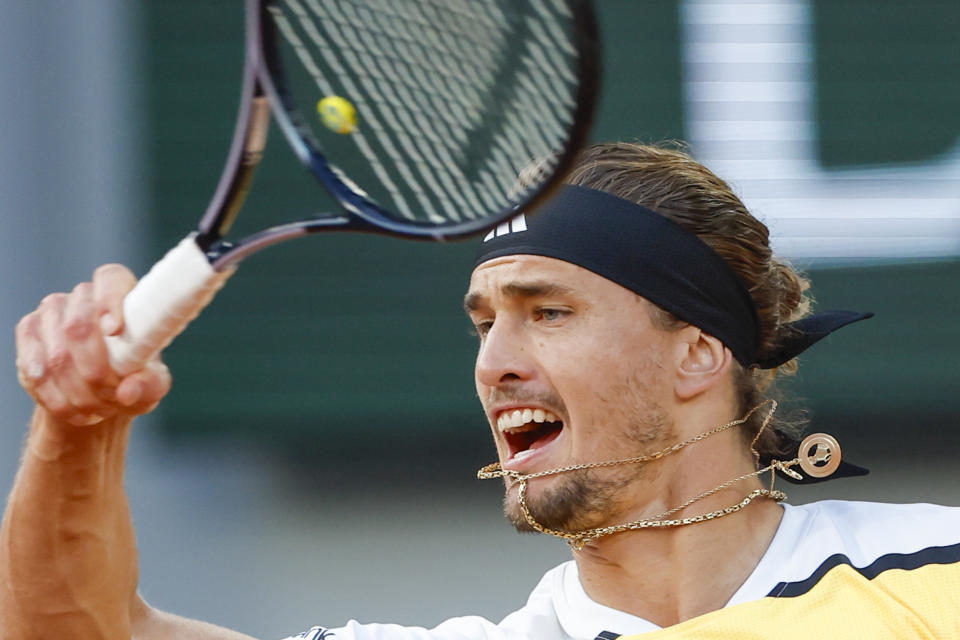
pixel 857 569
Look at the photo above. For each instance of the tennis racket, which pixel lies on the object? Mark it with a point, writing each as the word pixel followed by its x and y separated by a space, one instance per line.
pixel 426 119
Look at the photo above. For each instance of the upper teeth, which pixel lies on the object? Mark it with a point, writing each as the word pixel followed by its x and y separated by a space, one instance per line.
pixel 521 417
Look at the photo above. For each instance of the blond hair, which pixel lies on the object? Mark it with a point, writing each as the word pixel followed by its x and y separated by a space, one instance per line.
pixel 666 179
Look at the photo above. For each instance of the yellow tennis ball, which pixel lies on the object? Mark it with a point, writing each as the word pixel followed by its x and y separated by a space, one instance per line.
pixel 337 114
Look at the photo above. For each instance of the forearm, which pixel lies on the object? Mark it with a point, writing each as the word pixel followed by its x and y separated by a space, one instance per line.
pixel 68 562
pixel 68 557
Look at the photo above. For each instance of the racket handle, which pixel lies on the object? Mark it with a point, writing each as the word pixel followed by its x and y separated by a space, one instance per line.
pixel 162 304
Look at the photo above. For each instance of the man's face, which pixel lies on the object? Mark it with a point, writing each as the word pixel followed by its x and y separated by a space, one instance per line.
pixel 569 371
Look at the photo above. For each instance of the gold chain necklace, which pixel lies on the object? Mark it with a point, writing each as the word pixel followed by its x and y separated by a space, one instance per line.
pixel 579 539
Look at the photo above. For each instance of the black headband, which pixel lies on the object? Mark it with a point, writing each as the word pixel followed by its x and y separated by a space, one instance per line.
pixel 656 258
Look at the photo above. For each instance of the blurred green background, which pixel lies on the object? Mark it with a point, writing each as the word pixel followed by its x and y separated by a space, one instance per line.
pixel 315 459
pixel 346 340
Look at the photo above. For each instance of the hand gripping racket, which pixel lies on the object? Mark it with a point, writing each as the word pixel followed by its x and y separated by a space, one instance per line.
pixel 430 108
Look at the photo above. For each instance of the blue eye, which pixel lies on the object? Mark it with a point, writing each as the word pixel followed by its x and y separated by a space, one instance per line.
pixel 551 315
pixel 482 328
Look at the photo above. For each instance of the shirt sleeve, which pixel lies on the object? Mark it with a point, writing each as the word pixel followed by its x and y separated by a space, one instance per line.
pixel 464 628
pixel 314 633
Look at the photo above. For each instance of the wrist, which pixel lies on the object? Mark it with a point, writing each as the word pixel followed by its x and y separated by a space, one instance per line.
pixel 52 439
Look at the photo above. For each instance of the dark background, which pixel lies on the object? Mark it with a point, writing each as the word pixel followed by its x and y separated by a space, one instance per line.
pixel 315 460
pixel 354 342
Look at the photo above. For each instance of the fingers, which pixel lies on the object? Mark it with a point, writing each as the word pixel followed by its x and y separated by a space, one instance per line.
pixel 30 352
pixel 82 333
pixel 33 365
pixel 37 367
pixel 142 391
pixel 74 363
pixel 55 354
pixel 111 283
pixel 62 359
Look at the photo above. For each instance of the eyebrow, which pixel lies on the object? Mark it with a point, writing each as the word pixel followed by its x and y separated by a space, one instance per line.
pixel 532 289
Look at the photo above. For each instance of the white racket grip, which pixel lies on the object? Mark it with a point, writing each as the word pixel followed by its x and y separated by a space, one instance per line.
pixel 162 304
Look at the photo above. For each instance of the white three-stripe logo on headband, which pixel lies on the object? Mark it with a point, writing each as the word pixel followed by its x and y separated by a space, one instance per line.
pixel 514 225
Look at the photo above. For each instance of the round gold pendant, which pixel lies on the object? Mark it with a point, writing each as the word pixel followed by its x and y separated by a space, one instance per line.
pixel 819 455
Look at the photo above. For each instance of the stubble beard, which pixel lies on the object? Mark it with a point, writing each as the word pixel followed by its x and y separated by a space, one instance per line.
pixel 582 499
pixel 575 502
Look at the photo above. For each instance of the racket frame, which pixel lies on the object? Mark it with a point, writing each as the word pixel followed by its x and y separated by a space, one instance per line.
pixel 186 279
pixel 264 81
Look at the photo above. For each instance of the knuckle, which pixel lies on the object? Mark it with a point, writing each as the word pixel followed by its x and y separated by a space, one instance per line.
pixel 97 374
pixel 59 358
pixel 23 368
pixel 79 327
pixel 83 289
pixel 30 372
pixel 25 381
pixel 53 300
pixel 27 322
pixel 110 268
pixel 27 325
pixel 112 271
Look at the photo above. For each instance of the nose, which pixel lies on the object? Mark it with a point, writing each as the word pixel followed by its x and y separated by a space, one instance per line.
pixel 504 356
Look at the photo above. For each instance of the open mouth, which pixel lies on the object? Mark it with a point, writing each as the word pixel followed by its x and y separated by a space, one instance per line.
pixel 527 430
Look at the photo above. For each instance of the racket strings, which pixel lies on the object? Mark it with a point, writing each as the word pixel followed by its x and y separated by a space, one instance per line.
pixel 391 151
pixel 464 91
pixel 414 66
pixel 454 97
pixel 303 54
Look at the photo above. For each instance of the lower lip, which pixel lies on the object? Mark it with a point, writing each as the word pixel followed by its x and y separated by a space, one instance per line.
pixel 514 464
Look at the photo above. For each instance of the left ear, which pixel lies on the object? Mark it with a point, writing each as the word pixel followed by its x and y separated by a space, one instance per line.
pixel 704 362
